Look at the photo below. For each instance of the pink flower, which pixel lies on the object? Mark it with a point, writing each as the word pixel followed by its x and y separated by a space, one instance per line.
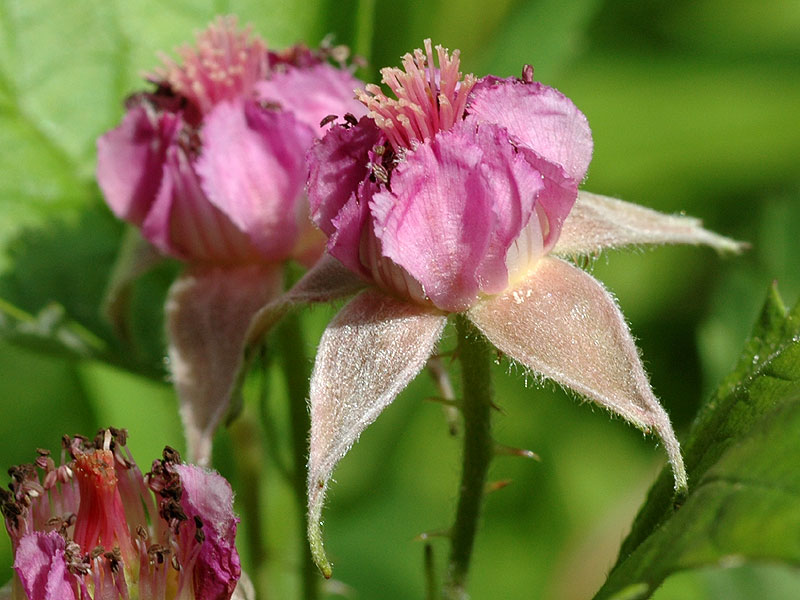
pixel 211 167
pixel 461 195
pixel 94 527
pixel 211 164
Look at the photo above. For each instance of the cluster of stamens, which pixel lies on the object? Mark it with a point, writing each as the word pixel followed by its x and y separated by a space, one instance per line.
pixel 429 99
pixel 223 64
pixel 103 507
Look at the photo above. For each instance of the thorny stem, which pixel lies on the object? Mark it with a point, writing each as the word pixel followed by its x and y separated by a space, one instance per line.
pixel 296 370
pixel 475 354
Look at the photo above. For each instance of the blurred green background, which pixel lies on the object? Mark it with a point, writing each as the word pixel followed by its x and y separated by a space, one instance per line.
pixel 693 106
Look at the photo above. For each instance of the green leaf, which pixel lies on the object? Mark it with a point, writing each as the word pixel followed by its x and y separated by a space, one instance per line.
pixel 744 486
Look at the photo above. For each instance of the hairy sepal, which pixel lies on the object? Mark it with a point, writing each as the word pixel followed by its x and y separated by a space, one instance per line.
pixel 209 312
pixel 561 323
pixel 599 223
pixel 326 281
pixel 370 351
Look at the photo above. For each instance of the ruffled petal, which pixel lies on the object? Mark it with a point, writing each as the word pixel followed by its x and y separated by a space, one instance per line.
pixel 40 564
pixel 337 164
pixel 456 204
pixel 209 311
pixel 556 200
pixel 562 323
pixel 184 224
pixel 537 116
pixel 599 223
pixel 129 161
pixel 313 93
pixel 208 496
pixel 516 189
pixel 252 168
pixel 349 227
pixel 370 351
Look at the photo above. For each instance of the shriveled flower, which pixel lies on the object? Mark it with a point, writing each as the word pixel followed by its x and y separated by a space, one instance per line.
pixel 94 527
pixel 461 196
pixel 211 167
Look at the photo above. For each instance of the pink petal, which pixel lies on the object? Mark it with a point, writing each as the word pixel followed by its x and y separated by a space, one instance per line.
pixel 253 169
pixel 598 223
pixel 40 564
pixel 561 323
pixel 129 161
pixel 556 200
pixel 209 496
pixel 184 224
pixel 537 116
pixel 349 227
pixel 370 351
pixel 313 93
pixel 456 204
pixel 209 311
pixel 516 189
pixel 337 165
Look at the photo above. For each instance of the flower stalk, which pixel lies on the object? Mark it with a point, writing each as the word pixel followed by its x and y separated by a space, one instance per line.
pixel 475 354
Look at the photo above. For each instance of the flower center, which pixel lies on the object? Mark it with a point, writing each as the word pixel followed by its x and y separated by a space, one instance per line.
pixel 429 99
pixel 101 516
pixel 225 63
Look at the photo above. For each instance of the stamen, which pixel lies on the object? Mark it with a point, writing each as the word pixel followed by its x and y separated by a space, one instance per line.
pixel 101 516
pixel 428 99
pixel 225 63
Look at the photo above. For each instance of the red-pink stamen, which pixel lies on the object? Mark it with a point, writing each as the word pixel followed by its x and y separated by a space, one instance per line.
pixel 429 99
pixel 101 517
pixel 223 64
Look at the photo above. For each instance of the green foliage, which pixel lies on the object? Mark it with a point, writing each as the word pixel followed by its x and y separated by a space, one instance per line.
pixel 744 499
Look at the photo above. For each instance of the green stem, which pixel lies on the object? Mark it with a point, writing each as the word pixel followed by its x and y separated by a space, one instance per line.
pixel 475 354
pixel 296 369
pixel 430 574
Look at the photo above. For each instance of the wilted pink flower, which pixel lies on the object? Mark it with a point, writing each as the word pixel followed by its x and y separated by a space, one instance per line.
pixel 211 167
pixel 461 195
pixel 94 527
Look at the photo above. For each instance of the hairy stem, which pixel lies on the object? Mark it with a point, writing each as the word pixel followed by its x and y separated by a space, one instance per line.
pixel 296 368
pixel 475 354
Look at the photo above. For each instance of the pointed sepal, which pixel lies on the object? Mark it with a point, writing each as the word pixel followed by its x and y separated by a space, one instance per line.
pixel 327 280
pixel 370 351
pixel 598 223
pixel 209 311
pixel 561 323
